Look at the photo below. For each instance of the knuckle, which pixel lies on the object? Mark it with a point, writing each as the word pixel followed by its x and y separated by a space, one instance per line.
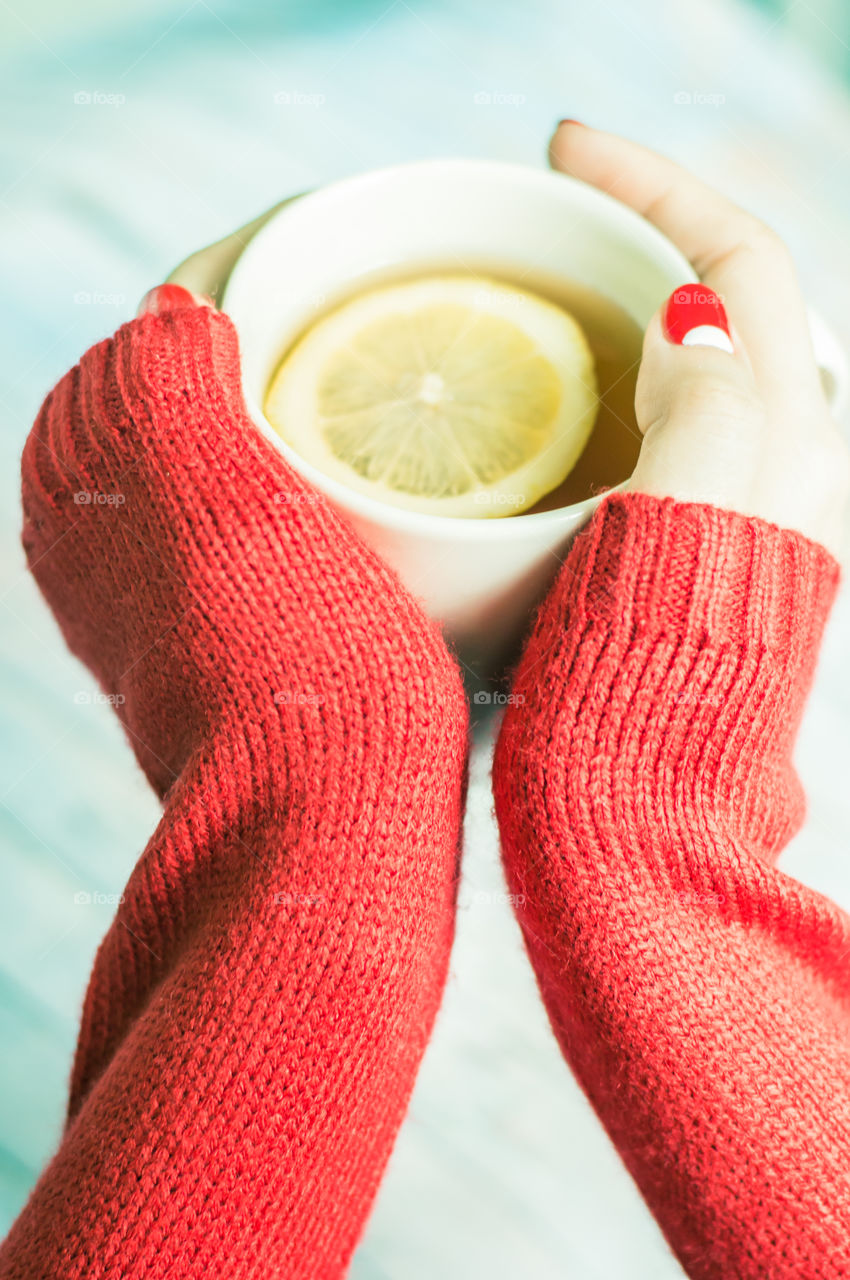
pixel 705 399
pixel 763 239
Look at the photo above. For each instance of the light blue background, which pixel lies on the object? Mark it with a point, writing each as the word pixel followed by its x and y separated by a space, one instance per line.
pixel 501 1171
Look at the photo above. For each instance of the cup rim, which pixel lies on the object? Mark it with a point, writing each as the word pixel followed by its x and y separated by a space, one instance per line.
pixel 384 513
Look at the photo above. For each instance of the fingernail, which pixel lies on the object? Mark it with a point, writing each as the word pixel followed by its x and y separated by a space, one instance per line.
pixel 695 317
pixel 569 120
pixel 170 297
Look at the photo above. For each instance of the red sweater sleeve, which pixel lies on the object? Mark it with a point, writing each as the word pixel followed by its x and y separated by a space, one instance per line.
pixel 644 789
pixel 262 999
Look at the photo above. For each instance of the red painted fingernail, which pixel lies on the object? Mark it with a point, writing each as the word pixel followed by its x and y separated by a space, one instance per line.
pixel 170 297
pixel 694 316
pixel 569 120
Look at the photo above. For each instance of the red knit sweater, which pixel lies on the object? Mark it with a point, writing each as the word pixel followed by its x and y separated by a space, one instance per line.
pixel 644 790
pixel 260 1005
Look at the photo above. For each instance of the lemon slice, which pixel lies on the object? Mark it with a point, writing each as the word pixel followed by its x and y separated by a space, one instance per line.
pixel 449 395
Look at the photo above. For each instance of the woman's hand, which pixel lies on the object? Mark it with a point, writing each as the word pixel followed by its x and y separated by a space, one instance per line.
pixel 748 430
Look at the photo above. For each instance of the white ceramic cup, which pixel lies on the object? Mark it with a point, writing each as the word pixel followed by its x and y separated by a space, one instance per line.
pixel 479 578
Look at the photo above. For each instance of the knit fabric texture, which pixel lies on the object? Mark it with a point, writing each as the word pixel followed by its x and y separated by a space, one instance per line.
pixel 644 789
pixel 259 1007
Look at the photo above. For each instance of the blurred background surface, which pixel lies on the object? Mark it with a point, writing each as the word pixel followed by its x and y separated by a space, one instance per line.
pixel 135 134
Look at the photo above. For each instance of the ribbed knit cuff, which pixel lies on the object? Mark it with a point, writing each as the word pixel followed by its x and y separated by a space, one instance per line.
pixel 664 684
pixel 702 574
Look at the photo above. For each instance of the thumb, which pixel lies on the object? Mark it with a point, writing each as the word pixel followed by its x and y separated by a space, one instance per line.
pixel 697 405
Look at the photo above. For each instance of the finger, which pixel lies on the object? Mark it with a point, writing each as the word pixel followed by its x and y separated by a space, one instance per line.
pixel 171 297
pixel 207 271
pixel 698 406
pixel 738 256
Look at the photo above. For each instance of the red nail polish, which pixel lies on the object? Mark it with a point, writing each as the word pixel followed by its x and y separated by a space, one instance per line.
pixel 694 316
pixel 168 297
